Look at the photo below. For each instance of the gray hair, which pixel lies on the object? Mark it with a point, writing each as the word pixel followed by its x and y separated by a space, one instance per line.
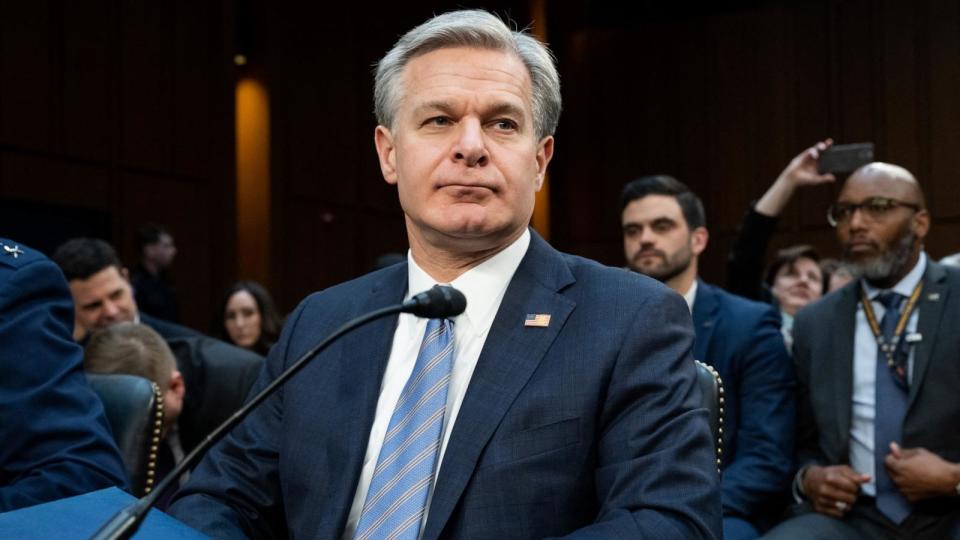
pixel 471 28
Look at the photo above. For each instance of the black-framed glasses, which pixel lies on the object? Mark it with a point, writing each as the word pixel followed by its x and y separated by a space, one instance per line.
pixel 874 208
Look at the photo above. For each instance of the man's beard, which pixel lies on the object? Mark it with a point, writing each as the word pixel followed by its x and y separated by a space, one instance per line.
pixel 889 262
pixel 671 267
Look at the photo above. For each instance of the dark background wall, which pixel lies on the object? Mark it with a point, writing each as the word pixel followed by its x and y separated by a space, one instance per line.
pixel 723 100
pixel 114 113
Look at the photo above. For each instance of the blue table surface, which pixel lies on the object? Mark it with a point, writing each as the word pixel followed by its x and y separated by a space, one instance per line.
pixel 81 516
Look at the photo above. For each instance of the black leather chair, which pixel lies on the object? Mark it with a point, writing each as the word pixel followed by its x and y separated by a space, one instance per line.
pixel 217 377
pixel 711 386
pixel 134 409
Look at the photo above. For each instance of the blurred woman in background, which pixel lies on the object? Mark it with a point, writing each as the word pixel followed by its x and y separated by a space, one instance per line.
pixel 795 279
pixel 248 318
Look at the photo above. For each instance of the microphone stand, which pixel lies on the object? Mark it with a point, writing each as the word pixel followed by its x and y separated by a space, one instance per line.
pixel 126 522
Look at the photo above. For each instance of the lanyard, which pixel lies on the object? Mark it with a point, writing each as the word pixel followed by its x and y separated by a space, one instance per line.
pixel 889 348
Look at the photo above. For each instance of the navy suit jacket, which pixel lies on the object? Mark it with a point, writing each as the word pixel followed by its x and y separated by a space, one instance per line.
pixel 741 339
pixel 55 438
pixel 592 425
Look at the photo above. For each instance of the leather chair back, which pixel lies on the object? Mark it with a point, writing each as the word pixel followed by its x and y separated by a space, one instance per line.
pixel 134 409
pixel 217 377
pixel 711 386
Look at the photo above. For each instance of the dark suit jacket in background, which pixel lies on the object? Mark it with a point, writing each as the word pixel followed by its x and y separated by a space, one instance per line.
pixel 742 340
pixel 167 329
pixel 217 377
pixel 593 422
pixel 54 438
pixel 823 351
pixel 746 262
pixel 154 294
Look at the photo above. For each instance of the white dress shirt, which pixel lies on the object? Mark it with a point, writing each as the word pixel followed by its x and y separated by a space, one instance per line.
pixel 865 374
pixel 691 296
pixel 484 286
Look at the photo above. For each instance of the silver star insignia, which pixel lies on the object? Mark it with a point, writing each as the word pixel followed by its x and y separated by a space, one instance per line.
pixel 15 250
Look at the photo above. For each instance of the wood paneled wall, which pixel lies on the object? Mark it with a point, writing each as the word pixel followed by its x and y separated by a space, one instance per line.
pixel 724 100
pixel 123 110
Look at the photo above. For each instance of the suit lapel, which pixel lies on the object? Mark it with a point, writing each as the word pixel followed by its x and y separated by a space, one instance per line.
pixel 363 358
pixel 510 355
pixel 839 360
pixel 705 307
pixel 933 298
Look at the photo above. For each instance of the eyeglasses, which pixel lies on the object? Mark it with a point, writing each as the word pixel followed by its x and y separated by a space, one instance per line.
pixel 874 208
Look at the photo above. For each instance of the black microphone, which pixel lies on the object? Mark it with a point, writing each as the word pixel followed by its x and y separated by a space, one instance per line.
pixel 439 302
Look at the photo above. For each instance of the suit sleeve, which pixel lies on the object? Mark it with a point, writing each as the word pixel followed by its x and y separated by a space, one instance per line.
pixel 235 490
pixel 808 441
pixel 745 262
pixel 656 474
pixel 56 441
pixel 759 475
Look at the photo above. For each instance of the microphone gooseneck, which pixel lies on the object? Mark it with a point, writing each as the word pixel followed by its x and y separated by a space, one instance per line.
pixel 439 302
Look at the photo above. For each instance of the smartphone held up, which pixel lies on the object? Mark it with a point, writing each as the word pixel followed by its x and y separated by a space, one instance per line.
pixel 844 158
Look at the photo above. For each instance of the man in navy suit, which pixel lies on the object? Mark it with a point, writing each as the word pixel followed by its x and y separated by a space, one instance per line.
pixel 56 441
pixel 664 232
pixel 570 406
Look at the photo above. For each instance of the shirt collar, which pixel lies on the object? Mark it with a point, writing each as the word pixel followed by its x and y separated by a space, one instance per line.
pixel 483 285
pixel 786 319
pixel 906 285
pixel 691 295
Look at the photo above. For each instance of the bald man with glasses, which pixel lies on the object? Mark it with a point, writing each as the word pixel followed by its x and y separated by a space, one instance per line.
pixel 878 369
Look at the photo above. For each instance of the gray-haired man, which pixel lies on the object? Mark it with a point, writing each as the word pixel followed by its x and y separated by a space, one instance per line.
pixel 562 401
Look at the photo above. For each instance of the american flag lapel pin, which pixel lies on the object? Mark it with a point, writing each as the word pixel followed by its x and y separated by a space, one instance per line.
pixel 537 320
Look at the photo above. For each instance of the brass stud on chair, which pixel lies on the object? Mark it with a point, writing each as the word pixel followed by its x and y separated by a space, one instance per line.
pixel 154 441
pixel 720 401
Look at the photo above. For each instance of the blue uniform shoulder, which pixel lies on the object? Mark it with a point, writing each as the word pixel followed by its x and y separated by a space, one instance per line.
pixel 14 255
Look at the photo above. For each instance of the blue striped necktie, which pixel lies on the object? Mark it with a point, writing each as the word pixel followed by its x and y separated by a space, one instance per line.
pixel 397 497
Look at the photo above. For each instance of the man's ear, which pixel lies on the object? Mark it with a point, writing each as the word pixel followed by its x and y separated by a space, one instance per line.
pixel 921 223
pixel 387 152
pixel 177 385
pixel 544 155
pixel 124 273
pixel 698 240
